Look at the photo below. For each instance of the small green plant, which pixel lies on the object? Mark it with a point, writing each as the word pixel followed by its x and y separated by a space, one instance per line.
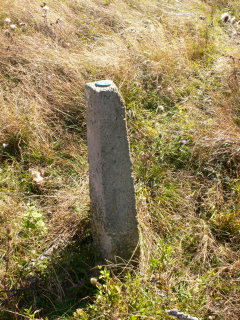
pixel 30 314
pixel 34 221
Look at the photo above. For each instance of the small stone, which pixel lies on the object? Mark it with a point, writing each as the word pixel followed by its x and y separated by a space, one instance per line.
pixel 45 8
pixel 170 90
pixel 160 109
pixel 172 312
pixel 8 20
pixel 180 315
pixel 225 17
pixel 13 27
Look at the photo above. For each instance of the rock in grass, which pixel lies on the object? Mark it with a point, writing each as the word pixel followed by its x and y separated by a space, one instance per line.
pixel 225 17
pixel 180 315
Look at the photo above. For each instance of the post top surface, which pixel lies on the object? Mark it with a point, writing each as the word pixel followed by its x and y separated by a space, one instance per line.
pixel 102 85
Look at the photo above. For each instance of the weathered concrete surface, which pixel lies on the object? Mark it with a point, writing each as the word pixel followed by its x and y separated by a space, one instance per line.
pixel 112 192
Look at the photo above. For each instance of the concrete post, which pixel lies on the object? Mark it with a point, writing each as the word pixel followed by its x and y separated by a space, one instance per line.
pixel 112 194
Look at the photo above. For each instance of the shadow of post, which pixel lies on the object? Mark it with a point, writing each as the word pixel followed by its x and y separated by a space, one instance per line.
pixel 63 283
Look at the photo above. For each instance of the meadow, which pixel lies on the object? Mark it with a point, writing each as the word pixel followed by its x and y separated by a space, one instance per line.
pixel 177 66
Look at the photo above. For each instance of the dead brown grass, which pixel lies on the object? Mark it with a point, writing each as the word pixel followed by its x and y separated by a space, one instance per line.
pixel 175 50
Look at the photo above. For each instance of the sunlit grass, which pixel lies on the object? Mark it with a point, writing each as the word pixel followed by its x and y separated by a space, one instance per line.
pixel 177 67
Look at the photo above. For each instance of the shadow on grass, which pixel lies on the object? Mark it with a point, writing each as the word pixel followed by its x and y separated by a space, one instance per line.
pixel 62 287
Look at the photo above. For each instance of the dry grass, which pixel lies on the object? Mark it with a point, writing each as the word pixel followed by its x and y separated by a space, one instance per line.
pixel 171 53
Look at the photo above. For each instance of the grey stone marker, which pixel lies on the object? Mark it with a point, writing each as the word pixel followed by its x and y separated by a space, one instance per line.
pixel 113 207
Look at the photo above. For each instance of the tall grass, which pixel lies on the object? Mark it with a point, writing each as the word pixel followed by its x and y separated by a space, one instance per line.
pixel 177 66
